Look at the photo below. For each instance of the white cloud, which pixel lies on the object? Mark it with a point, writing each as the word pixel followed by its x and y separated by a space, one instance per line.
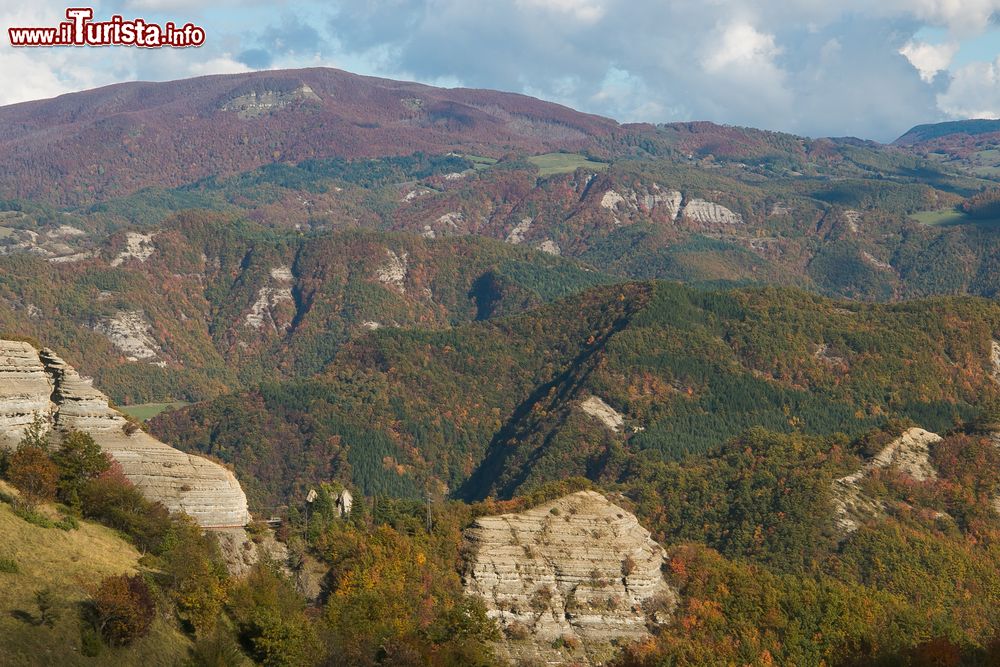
pixel 929 59
pixel 224 64
pixel 587 11
pixel 961 16
pixel 741 45
pixel 974 92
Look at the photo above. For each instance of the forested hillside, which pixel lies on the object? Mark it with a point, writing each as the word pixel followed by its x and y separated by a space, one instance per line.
pixel 206 303
pixel 496 407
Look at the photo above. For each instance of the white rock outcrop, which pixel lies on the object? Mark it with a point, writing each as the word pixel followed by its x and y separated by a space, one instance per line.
pixel 516 235
pixel 579 568
pixel 611 200
pixel 708 212
pixel 393 272
pixel 910 453
pixel 633 201
pixel 40 383
pixel 596 407
pixel 132 334
pixel 671 201
pixel 262 311
pixel 257 103
pixel 283 273
pixel 995 361
pixel 137 246
pixel 549 246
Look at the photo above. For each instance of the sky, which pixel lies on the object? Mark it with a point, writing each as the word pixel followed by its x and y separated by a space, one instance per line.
pixel 865 68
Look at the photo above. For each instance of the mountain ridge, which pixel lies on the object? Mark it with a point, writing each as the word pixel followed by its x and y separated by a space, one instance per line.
pixel 105 137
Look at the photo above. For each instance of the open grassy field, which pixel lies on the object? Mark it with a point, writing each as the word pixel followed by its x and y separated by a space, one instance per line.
pixel 562 163
pixel 67 562
pixel 948 216
pixel 480 161
pixel 944 216
pixel 144 411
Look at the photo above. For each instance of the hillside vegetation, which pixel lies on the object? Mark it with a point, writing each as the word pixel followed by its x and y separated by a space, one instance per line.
pixel 458 303
pixel 494 407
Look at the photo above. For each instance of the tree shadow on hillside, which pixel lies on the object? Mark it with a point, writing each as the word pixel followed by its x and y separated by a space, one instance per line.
pixel 26 617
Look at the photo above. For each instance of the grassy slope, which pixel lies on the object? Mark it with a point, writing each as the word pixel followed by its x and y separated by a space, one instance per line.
pixel 563 163
pixel 67 562
pixel 144 411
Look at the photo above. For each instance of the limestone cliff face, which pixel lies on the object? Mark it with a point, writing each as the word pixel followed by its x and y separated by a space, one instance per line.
pixel 25 389
pixel 568 579
pixel 41 383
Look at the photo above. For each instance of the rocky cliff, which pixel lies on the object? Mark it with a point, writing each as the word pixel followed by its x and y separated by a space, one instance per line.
pixel 568 580
pixel 40 383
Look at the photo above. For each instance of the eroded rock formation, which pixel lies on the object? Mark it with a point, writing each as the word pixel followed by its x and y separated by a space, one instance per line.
pixel 910 452
pixel 567 579
pixel 40 383
pixel 25 389
pixel 709 212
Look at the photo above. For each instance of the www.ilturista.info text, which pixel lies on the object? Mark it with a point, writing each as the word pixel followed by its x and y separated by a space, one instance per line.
pixel 81 30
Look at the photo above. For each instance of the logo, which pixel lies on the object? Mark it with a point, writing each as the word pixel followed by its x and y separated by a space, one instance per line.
pixel 81 30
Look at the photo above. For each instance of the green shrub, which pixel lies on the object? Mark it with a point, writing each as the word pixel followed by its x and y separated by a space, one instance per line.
pixel 90 641
pixel 8 565
pixel 67 523
pixel 32 515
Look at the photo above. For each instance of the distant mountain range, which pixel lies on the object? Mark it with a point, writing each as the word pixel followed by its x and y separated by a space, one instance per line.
pixel 85 147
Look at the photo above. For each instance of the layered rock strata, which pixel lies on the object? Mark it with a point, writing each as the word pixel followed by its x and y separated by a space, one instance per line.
pixel 40 383
pixel 25 390
pixel 568 579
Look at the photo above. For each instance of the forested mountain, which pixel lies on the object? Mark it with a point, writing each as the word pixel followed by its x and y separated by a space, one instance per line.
pixel 207 303
pixel 114 140
pixel 498 407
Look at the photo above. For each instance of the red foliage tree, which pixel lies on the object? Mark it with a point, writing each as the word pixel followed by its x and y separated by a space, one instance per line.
pixel 124 609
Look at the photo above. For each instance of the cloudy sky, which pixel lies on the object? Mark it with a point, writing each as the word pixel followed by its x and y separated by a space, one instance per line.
pixel 868 68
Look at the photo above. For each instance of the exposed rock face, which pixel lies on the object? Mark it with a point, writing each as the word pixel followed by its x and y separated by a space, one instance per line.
pixel 517 234
pixel 240 553
pixel 909 452
pixel 611 200
pixel 282 274
pixel 264 309
pixel 853 218
pixel 875 261
pixel 137 246
pixel 549 246
pixel 703 211
pixel 41 383
pixel 995 360
pixel 25 390
pixel 578 568
pixel 257 103
pixel 633 201
pixel 274 308
pixel 393 271
pixel 132 334
pixel 596 407
pixel 671 201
